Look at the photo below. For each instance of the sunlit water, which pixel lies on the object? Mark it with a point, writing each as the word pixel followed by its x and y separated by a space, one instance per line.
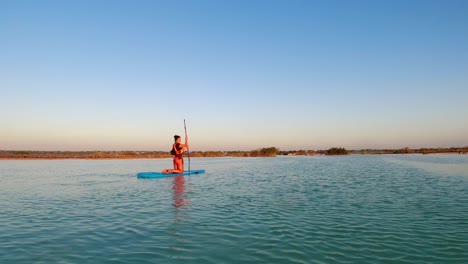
pixel 351 209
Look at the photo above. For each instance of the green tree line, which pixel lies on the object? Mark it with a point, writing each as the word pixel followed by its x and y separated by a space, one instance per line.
pixel 263 152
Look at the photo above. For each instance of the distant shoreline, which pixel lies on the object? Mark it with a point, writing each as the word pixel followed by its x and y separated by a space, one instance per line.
pixel 264 152
pixel 62 158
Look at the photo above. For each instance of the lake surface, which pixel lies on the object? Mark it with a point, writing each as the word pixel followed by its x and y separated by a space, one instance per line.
pixel 343 209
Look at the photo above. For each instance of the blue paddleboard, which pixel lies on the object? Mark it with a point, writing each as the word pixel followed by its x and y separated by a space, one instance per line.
pixel 164 175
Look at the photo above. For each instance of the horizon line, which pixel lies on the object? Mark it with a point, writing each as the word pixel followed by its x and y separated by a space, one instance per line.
pixel 355 149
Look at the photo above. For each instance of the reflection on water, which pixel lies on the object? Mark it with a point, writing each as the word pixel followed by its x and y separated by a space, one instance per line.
pixel 344 209
pixel 179 200
pixel 178 185
pixel 439 167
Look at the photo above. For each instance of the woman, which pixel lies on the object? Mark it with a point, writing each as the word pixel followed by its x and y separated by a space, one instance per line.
pixel 177 151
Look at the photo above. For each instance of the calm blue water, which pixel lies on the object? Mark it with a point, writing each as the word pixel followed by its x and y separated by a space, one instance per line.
pixel 352 209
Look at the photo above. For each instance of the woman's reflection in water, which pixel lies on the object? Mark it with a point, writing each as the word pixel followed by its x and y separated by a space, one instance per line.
pixel 179 201
pixel 178 185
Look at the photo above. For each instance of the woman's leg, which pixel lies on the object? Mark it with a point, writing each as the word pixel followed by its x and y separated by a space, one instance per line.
pixel 179 166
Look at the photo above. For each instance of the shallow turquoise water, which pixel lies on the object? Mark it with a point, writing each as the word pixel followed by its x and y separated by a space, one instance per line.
pixel 352 209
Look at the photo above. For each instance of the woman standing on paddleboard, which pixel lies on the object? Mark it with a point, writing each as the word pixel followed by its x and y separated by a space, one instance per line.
pixel 177 151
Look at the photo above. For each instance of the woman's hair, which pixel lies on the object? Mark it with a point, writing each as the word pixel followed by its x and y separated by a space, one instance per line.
pixel 176 137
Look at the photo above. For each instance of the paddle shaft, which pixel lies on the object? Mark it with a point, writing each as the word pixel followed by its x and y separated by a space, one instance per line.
pixel 188 150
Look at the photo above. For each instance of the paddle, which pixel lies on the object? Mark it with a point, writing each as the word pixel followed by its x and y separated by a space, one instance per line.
pixel 188 150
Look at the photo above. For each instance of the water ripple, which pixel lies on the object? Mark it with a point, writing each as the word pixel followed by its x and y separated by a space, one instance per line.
pixel 354 209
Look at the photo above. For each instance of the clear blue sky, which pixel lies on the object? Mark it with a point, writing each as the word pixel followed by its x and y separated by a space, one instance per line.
pixel 123 75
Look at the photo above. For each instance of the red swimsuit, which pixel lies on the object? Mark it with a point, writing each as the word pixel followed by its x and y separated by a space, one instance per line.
pixel 178 150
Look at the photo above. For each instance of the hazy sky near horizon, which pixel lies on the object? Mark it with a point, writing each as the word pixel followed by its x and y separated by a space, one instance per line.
pixel 123 75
